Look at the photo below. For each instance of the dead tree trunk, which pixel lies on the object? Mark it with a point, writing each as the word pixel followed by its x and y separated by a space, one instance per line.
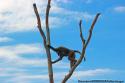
pixel 46 38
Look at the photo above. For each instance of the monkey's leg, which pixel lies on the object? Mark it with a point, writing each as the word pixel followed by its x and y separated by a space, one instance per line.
pixel 60 58
pixel 72 61
pixel 71 57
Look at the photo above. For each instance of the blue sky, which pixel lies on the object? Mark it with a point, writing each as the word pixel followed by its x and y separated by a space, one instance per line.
pixel 22 55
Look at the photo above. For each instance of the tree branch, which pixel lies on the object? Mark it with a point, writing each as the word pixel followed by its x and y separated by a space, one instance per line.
pixel 50 70
pixel 47 21
pixel 39 23
pixel 81 35
pixel 91 29
pixel 83 50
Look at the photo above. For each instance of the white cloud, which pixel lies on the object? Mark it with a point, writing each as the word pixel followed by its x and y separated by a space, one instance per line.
pixel 76 15
pixel 85 74
pixel 119 9
pixel 82 15
pixel 21 49
pixel 18 15
pixel 21 75
pixel 5 39
pixel 91 73
pixel 19 68
pixel 25 77
pixel 12 54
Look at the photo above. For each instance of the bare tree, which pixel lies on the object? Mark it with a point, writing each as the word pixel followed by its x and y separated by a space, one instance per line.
pixel 85 44
pixel 46 40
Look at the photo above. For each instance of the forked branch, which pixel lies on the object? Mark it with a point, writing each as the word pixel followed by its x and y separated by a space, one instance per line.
pixel 83 49
pixel 46 40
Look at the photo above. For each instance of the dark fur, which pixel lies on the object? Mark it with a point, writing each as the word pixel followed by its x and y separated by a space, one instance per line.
pixel 62 51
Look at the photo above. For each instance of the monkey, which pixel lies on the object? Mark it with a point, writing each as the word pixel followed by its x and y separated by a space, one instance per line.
pixel 63 51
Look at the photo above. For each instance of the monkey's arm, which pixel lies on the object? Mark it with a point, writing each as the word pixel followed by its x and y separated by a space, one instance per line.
pixel 60 58
pixel 54 49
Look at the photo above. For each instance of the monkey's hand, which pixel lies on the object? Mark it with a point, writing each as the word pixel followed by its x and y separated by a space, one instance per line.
pixel 52 62
pixel 47 44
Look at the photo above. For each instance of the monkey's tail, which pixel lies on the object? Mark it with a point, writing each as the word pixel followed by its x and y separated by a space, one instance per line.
pixel 79 53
